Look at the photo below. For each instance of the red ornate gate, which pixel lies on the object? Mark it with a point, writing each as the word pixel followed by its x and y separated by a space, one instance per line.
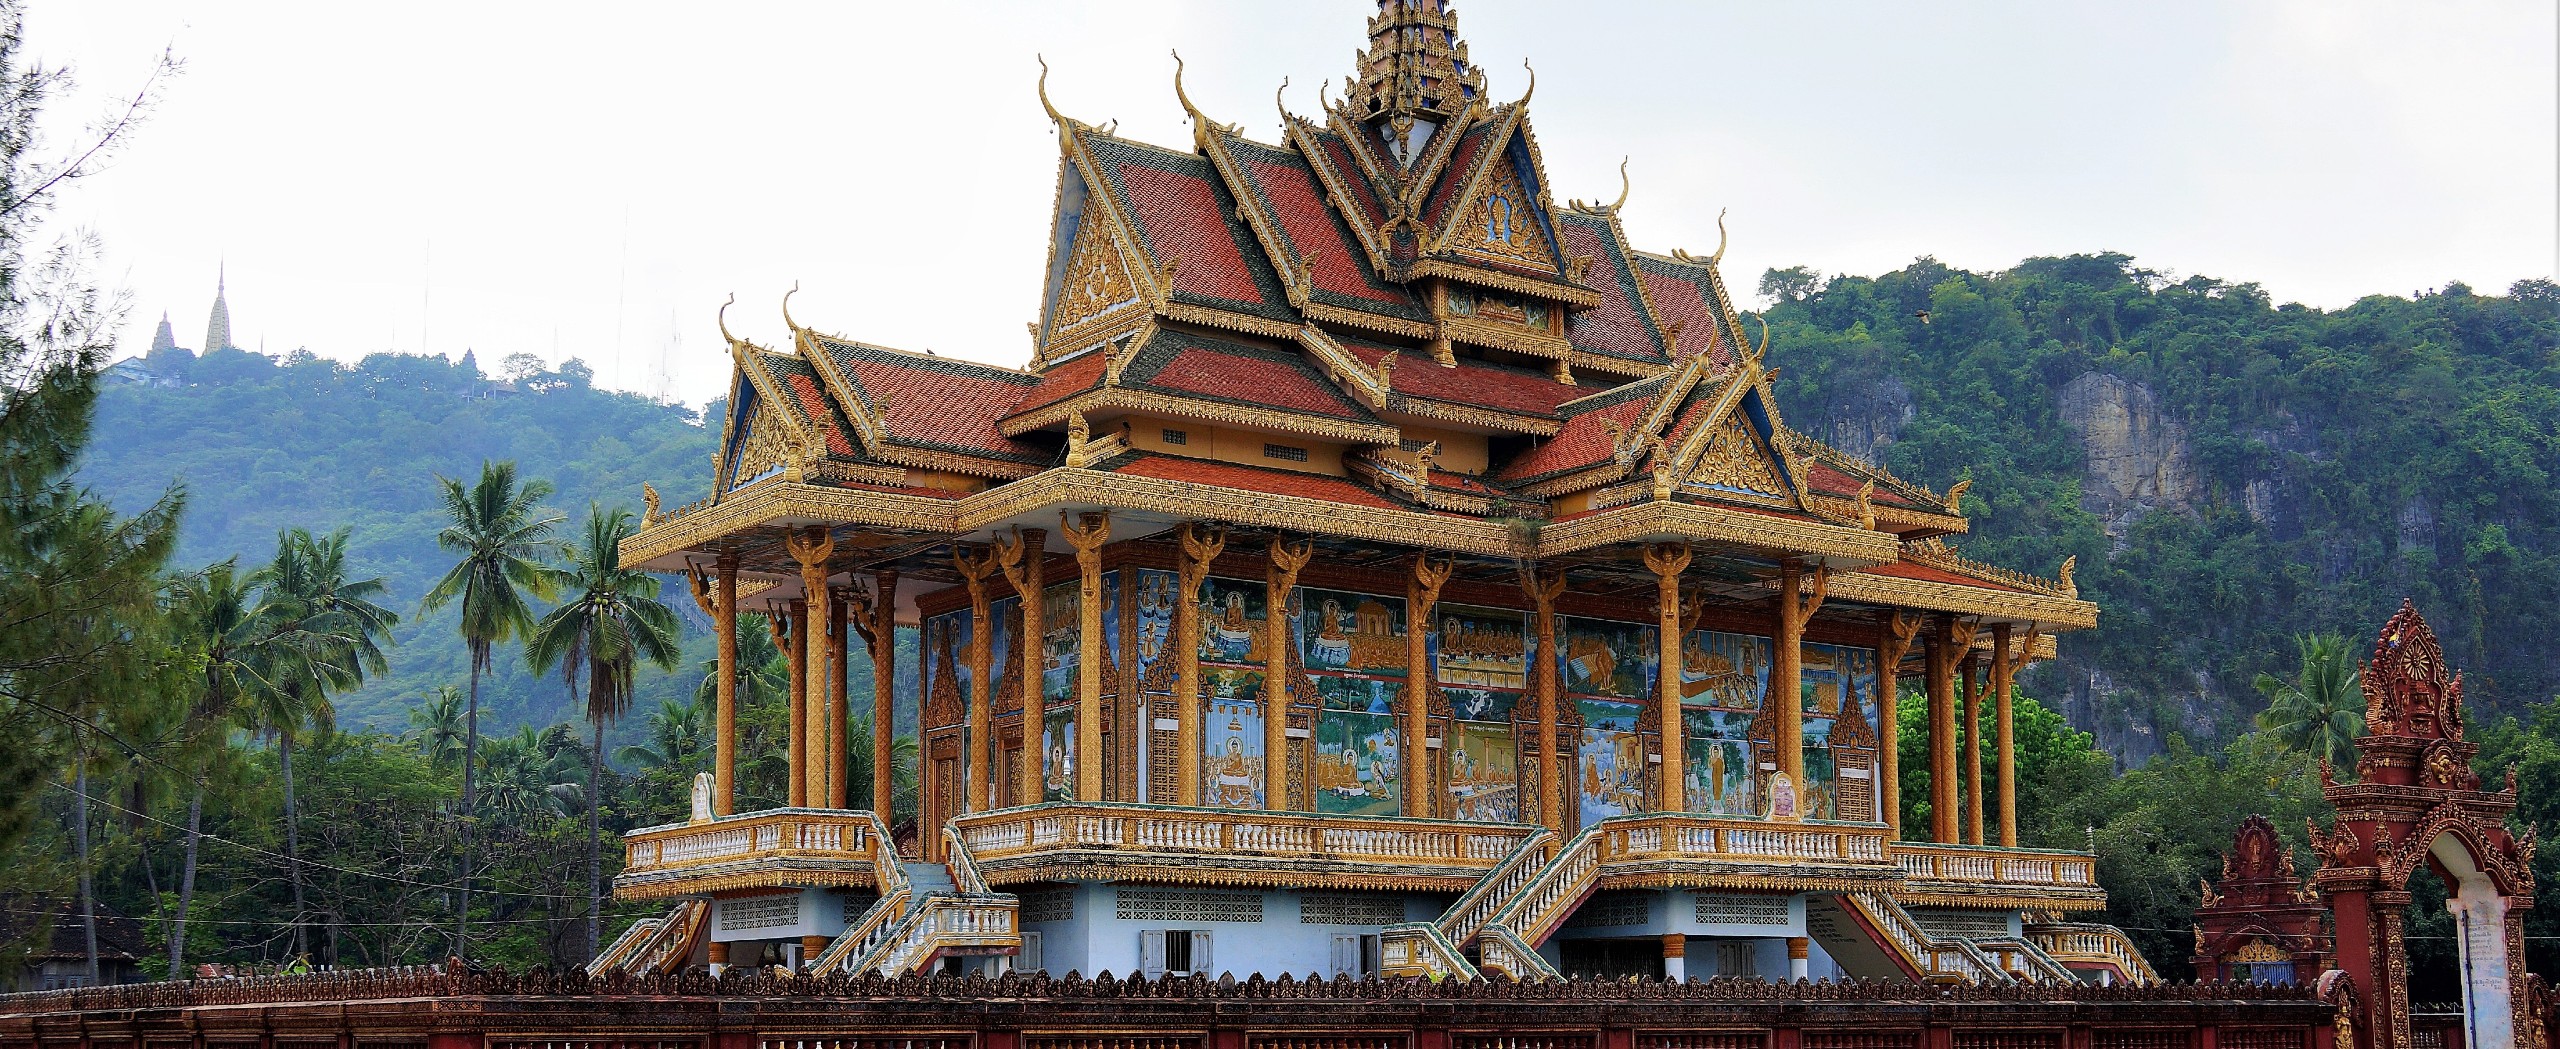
pixel 2417 802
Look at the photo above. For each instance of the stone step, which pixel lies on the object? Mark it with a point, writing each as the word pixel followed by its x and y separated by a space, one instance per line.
pixel 928 877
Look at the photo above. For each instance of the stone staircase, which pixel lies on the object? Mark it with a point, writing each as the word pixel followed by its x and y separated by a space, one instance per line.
pixel 655 945
pixel 946 909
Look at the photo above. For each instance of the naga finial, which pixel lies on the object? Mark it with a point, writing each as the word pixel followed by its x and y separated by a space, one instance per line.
pixel 1054 115
pixel 1197 120
pixel 1323 93
pixel 1624 187
pixel 1533 81
pixel 724 317
pixel 1280 101
pixel 2069 565
pixel 1761 352
pixel 1717 259
pixel 648 498
pixel 787 322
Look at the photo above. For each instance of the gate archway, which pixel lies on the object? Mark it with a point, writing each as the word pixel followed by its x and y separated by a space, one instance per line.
pixel 2416 803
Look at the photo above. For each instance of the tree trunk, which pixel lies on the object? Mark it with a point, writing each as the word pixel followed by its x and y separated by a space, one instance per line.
pixel 595 847
pixel 470 811
pixel 80 837
pixel 292 839
pixel 187 880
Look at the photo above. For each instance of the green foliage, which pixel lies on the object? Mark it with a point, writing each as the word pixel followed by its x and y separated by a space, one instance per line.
pixel 2321 711
pixel 268 444
pixel 2344 459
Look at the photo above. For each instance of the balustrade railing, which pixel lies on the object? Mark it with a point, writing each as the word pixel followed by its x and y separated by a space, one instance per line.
pixel 1495 890
pixel 994 837
pixel 1673 834
pixel 1419 949
pixel 2093 944
pixel 801 835
pixel 1547 899
pixel 937 923
pixel 1503 951
pixel 1994 865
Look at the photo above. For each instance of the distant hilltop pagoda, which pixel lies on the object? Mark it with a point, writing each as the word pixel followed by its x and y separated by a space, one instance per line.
pixel 217 328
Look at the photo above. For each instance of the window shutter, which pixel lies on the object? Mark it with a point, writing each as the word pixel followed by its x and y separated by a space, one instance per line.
pixel 1028 959
pixel 1200 953
pixel 1346 955
pixel 1151 952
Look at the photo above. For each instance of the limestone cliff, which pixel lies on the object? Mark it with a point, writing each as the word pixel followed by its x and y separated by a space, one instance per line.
pixel 2138 457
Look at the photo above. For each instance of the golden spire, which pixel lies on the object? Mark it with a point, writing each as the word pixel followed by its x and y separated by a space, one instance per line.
pixel 1415 67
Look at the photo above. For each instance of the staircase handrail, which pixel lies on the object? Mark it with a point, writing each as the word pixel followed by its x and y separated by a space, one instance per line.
pixel 622 945
pixel 2035 963
pixel 1437 952
pixel 1985 969
pixel 665 951
pixel 1902 932
pixel 885 866
pixel 918 935
pixel 859 937
pixel 963 864
pixel 1505 952
pixel 2112 943
pixel 1543 903
pixel 1496 889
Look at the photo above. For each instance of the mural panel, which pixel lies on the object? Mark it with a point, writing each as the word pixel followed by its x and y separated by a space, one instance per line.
pixel 949 634
pixel 1059 653
pixel 1836 679
pixel 1231 620
pixel 1611 759
pixel 1231 768
pixel 1720 777
pixel 1483 773
pixel 1367 695
pixel 1477 704
pixel 1110 628
pixel 1357 771
pixel 1058 753
pixel 1359 633
pixel 1480 648
pixel 1005 616
pixel 1154 590
pixel 1603 658
pixel 1726 671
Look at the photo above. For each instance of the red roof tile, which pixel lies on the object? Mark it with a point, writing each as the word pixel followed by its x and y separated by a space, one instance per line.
pixel 1471 147
pixel 1583 443
pixel 1270 378
pixel 1680 296
pixel 1184 224
pixel 1347 171
pixel 814 407
pixel 937 402
pixel 1616 327
pixel 1332 256
pixel 1459 482
pixel 1247 478
pixel 1472 382
pixel 1063 380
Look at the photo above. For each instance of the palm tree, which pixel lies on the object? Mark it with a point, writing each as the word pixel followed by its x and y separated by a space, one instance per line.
pixel 436 725
pixel 323 633
pixel 677 738
pixel 614 622
pixel 215 610
pixel 503 537
pixel 2321 711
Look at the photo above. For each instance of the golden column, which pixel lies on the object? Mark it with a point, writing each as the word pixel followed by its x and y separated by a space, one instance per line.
pixel 1974 682
pixel 1421 593
pixel 724 619
pixel 1021 555
pixel 975 566
pixel 1946 646
pixel 1543 587
pixel 812 548
pixel 1786 663
pixel 1667 561
pixel 1088 535
pixel 1287 560
pixel 835 703
pixel 883 636
pixel 2005 663
pixel 786 636
pixel 1894 637
pixel 1200 547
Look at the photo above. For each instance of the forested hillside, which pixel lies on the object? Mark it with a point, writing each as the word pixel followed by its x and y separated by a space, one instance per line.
pixel 264 444
pixel 2228 471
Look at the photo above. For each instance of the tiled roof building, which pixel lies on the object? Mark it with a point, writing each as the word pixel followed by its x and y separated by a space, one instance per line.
pixel 1357 490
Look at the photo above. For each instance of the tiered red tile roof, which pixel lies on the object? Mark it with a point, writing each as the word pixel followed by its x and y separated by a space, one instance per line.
pixel 1236 244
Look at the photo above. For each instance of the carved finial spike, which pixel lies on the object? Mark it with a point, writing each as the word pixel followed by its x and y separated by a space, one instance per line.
pixel 1533 81
pixel 1761 352
pixel 1624 186
pixel 1721 238
pixel 2064 574
pixel 648 498
pixel 724 318
pixel 1323 93
pixel 1055 117
pixel 1198 121
pixel 1280 100
pixel 787 322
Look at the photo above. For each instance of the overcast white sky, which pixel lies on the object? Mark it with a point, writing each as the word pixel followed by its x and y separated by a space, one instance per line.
pixel 592 179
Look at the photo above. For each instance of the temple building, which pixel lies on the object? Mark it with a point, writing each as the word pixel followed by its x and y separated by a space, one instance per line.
pixel 1379 565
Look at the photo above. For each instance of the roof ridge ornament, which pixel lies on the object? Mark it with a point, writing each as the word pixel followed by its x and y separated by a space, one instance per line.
pixel 787 322
pixel 723 317
pixel 1055 117
pixel 1201 125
